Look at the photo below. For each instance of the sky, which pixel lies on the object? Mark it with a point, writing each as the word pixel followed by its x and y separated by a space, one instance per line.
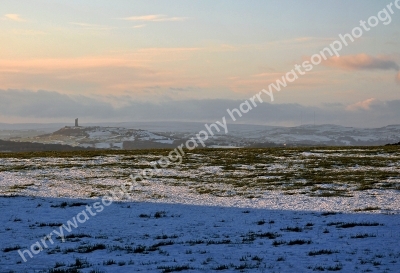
pixel 191 60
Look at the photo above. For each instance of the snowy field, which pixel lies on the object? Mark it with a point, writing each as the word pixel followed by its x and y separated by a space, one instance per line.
pixel 259 210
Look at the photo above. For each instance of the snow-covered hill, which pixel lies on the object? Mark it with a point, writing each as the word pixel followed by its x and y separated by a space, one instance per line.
pixel 324 135
pixel 102 137
pixel 238 136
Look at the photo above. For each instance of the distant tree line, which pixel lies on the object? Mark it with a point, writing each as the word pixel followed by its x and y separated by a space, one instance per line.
pixel 394 144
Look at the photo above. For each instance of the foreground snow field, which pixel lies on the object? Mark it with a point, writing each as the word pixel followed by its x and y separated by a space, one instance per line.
pixel 156 237
pixel 284 210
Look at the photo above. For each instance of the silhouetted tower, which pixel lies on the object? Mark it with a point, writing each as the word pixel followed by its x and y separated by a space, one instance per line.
pixel 76 123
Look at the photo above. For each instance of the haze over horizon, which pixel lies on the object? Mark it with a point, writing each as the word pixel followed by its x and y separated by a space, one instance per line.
pixel 153 61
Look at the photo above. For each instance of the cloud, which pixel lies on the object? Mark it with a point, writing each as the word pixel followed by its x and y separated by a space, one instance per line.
pixel 398 78
pixel 28 32
pixel 139 26
pixel 55 107
pixel 154 18
pixel 115 72
pixel 90 26
pixel 362 62
pixel 14 17
pixel 362 105
pixel 83 24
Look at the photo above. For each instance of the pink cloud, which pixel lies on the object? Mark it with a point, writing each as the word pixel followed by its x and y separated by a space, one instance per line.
pixel 14 17
pixel 362 105
pixel 114 73
pixel 155 18
pixel 362 62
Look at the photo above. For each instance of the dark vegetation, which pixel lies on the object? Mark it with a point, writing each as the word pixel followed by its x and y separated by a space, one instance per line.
pixel 318 172
pixel 13 146
pixel 394 144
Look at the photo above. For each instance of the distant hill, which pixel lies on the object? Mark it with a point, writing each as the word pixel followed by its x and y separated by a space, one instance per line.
pixel 97 137
pixel 239 135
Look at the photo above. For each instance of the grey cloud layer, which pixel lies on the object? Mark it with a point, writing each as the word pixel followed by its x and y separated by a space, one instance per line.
pixel 381 64
pixel 46 104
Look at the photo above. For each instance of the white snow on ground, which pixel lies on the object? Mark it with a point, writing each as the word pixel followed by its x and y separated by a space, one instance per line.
pixel 99 134
pixel 102 145
pixel 150 237
pixel 154 136
pixel 168 226
pixel 386 200
pixel 166 141
pixel 145 135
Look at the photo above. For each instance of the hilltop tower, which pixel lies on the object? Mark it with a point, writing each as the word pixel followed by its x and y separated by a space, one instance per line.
pixel 76 123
